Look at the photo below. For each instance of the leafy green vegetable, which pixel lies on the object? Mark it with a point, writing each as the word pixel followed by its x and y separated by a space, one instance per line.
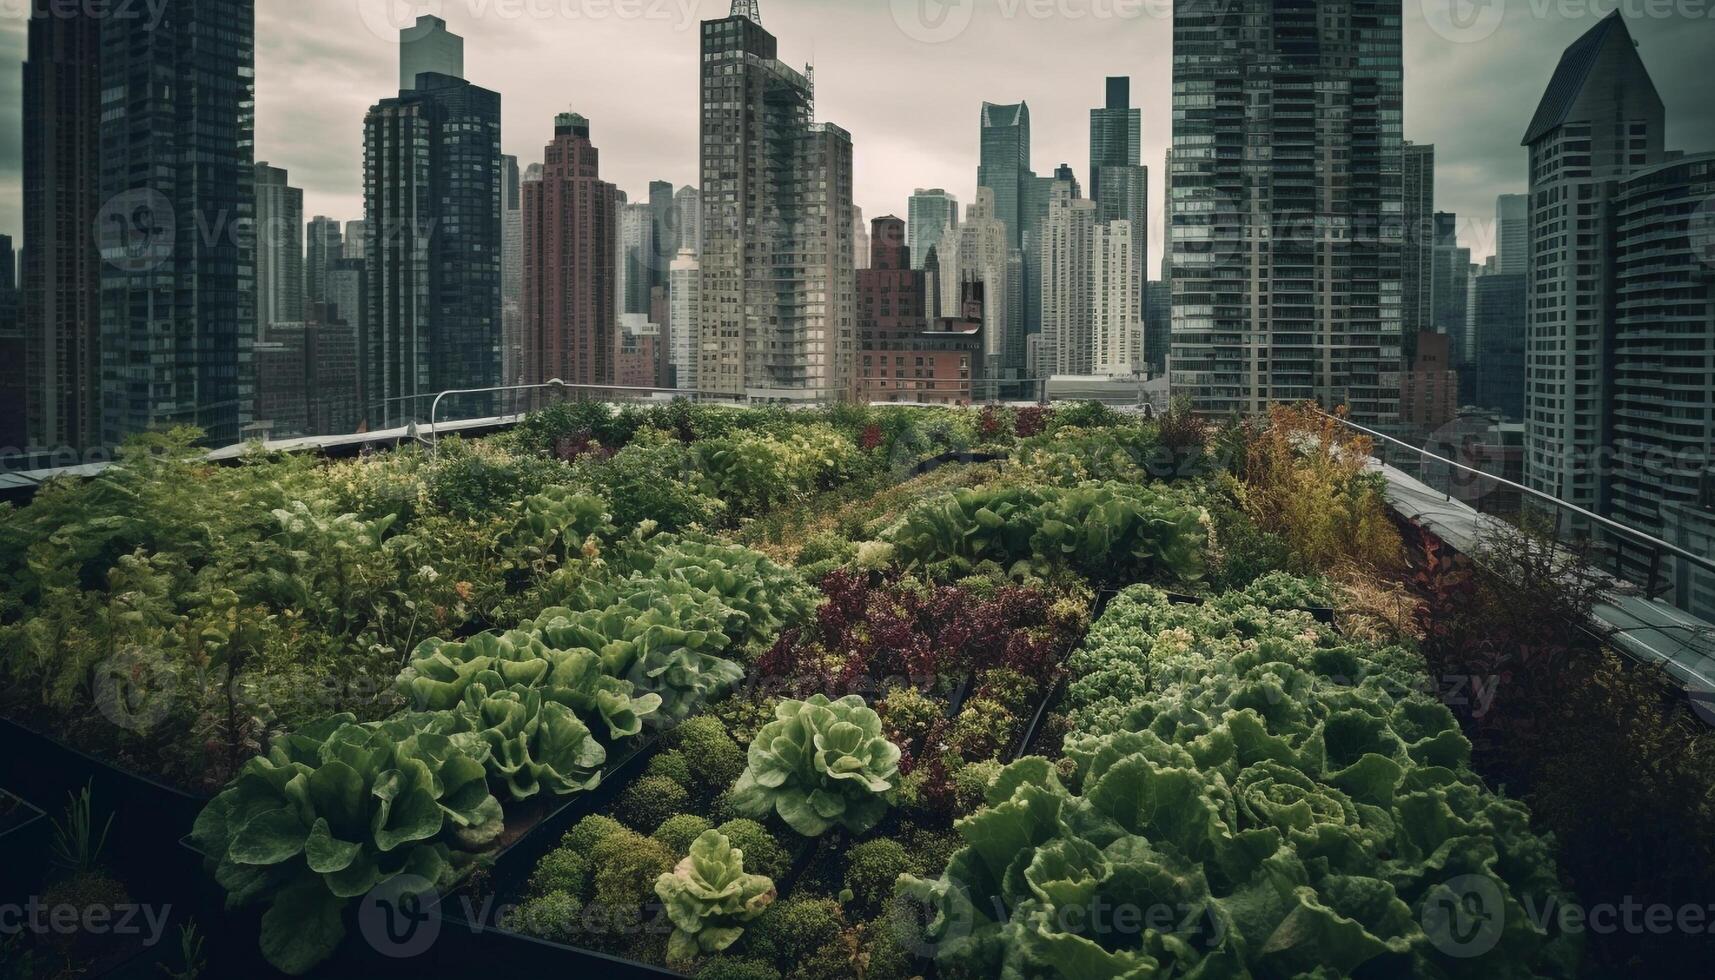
pixel 534 745
pixel 335 810
pixel 820 764
pixel 710 897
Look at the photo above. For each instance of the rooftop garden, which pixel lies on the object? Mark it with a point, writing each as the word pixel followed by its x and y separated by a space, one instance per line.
pixel 877 693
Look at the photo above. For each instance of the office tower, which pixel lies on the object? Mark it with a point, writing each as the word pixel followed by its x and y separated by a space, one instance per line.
pixel 1157 325
pixel 777 197
pixel 1664 356
pixel 1417 263
pixel 306 377
pixel 689 203
pixel 324 244
pixel 571 297
pixel 61 273
pixel 1004 166
pixel 427 46
pixel 347 297
pixel 1116 134
pixel 1599 120
pixel 1067 344
pixel 1496 375
pixel 1287 227
pixel 860 240
pixel 178 291
pixel 1512 234
pixel 1116 295
pixel 1450 293
pixel 685 296
pixel 356 235
pixel 279 249
pixel 512 345
pixel 432 201
pixel 635 252
pixel 978 250
pixel 12 434
pixel 930 213
pixel 663 232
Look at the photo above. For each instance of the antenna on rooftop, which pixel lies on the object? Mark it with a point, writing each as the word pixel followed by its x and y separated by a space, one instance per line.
pixel 751 9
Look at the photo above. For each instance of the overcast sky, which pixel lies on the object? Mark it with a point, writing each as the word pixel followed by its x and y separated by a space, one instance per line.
pixel 906 77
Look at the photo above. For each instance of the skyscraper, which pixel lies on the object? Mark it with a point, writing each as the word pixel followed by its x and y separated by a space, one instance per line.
pixel 685 296
pixel 1599 121
pixel 178 296
pixel 777 195
pixel 860 240
pixel 432 204
pixel 1287 228
pixel 427 46
pixel 356 236
pixel 61 275
pixel 1496 374
pixel 1067 344
pixel 325 245
pixel 12 434
pixel 1116 295
pixel 930 213
pixel 635 252
pixel 663 231
pixel 570 220
pixel 279 249
pixel 1116 134
pixel 1004 166
pixel 1450 294
pixel 511 274
pixel 1417 264
pixel 689 202
pixel 978 250
pixel 1512 234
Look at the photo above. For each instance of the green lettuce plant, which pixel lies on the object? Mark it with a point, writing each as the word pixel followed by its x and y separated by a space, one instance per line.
pixel 534 745
pixel 820 764
pixel 560 522
pixel 335 810
pixel 709 897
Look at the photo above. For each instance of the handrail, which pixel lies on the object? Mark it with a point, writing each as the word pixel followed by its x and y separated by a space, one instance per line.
pixel 435 407
pixel 1624 529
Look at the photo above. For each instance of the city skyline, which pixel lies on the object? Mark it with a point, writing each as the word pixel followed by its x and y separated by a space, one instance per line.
pixel 328 60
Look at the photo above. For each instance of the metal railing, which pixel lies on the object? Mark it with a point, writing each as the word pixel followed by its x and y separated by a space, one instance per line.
pixel 1657 545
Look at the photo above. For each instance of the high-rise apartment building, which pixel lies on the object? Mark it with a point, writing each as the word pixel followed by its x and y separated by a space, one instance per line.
pixel 1116 297
pixel 1512 234
pixel 1067 342
pixel 428 47
pixel 324 245
pixel 1287 224
pixel 860 240
pixel 61 274
pixel 1599 121
pixel 777 320
pixel 977 250
pixel 930 213
pixel 432 203
pixel 1417 262
pixel 571 299
pixel 685 296
pixel 1664 355
pixel 178 291
pixel 512 344
pixel 279 249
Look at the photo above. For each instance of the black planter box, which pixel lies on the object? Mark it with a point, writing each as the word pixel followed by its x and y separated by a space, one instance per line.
pixel 147 815
pixel 23 849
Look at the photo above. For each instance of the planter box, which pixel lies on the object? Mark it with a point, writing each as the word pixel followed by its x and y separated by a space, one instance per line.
pixel 147 815
pixel 24 835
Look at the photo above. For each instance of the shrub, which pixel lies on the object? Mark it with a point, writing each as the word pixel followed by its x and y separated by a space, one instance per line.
pixel 652 483
pixel 715 759
pixel 561 870
pixel 873 866
pixel 710 897
pixel 821 763
pixel 591 831
pixel 556 916
pixel 680 830
pixel 792 932
pixel 761 851
pixel 626 866
pixel 673 765
pixel 649 801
